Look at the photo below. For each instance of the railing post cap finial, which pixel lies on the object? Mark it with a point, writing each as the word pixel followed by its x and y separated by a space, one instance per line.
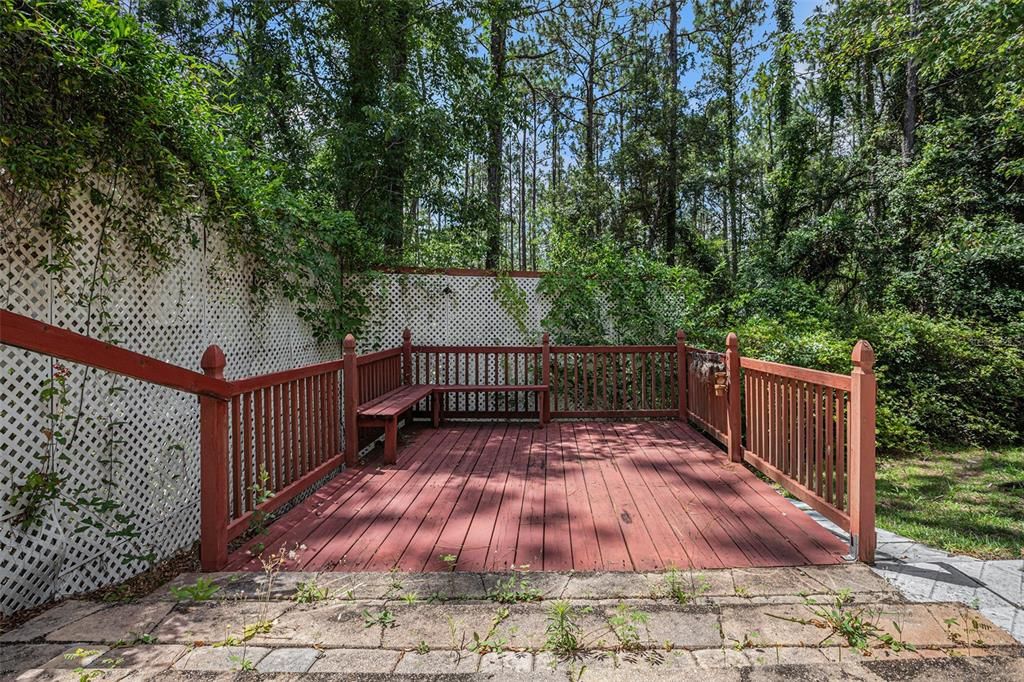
pixel 406 334
pixel 213 361
pixel 349 343
pixel 863 355
pixel 732 342
pixel 545 338
pixel 680 335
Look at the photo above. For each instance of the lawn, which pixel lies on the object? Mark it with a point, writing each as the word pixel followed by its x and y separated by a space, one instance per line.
pixel 962 501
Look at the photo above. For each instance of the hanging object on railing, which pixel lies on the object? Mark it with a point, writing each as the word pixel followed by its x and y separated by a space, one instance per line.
pixel 721 383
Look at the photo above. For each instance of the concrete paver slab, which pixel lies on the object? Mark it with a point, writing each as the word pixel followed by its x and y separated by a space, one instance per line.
pixel 355 661
pixel 59 616
pixel 220 659
pixel 113 624
pixel 288 660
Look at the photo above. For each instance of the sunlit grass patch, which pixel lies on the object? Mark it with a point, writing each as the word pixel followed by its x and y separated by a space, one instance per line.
pixel 963 501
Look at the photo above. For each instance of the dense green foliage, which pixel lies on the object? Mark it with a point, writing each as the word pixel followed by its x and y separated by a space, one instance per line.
pixel 713 165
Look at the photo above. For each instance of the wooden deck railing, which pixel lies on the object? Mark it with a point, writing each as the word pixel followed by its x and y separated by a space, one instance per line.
pixel 480 366
pixel 284 433
pixel 706 387
pixel 812 432
pixel 265 440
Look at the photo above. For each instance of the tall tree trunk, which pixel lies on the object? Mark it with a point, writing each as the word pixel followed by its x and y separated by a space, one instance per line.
pixel 731 132
pixel 910 102
pixel 495 136
pixel 522 201
pixel 670 205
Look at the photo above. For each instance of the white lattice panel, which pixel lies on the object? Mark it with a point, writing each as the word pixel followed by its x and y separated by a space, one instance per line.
pixel 446 310
pixel 136 440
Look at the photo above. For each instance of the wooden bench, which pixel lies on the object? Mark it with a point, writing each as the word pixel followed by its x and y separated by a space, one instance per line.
pixel 385 411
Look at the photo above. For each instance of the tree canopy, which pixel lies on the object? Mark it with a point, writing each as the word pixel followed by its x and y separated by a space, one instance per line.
pixel 803 177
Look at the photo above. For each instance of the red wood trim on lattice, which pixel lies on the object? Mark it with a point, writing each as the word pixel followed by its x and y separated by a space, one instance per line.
pixel 39 337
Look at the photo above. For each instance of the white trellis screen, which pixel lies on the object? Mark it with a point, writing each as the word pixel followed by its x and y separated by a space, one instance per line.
pixel 137 443
pixel 450 310
pixel 131 441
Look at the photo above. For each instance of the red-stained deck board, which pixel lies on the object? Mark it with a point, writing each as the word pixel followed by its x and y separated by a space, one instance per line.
pixel 581 496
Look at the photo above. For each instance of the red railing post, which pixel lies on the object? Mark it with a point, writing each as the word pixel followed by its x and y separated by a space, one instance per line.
pixel 682 367
pixel 734 431
pixel 213 469
pixel 351 379
pixel 407 357
pixel 545 353
pixel 863 390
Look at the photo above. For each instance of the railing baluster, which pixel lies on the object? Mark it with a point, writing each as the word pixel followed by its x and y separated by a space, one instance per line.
pixel 236 457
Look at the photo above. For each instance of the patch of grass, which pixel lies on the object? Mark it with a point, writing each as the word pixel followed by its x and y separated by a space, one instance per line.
pixel 963 501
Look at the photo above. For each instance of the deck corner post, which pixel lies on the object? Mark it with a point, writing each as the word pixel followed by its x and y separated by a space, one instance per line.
pixel 351 378
pixel 545 406
pixel 682 369
pixel 863 391
pixel 734 433
pixel 213 469
pixel 407 357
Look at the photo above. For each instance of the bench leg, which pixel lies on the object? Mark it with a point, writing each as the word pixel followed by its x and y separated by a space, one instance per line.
pixel 435 409
pixel 391 441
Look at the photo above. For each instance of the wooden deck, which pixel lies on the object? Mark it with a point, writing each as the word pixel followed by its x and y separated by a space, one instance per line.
pixel 583 496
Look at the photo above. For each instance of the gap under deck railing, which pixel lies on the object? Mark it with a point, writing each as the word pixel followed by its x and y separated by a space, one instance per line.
pixel 265 440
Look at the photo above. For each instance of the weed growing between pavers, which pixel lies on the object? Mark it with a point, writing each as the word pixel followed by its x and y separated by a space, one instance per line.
pixel 491 642
pixel 684 590
pixel 202 589
pixel 567 640
pixel 858 626
pixel 965 628
pixel 263 624
pixel 385 617
pixel 310 592
pixel 81 655
pixel 516 588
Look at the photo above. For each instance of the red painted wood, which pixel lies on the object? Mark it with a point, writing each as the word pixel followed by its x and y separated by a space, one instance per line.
pixel 213 463
pixel 586 550
pixel 453 536
pixel 419 551
pixel 557 540
pixel 530 546
pixel 371 551
pixel 24 332
pixel 482 493
pixel 811 376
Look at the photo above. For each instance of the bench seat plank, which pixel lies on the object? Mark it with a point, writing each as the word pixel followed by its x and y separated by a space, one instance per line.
pixel 394 402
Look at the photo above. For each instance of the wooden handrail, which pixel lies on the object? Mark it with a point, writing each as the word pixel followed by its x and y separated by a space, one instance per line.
pixel 39 337
pixel 613 349
pixel 475 349
pixel 262 381
pixel 812 376
pixel 367 358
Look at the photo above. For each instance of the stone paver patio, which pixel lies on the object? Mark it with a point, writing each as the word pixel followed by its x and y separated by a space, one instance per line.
pixel 925 574
pixel 732 624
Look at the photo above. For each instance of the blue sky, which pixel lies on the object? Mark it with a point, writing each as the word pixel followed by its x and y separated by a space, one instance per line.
pixel 802 9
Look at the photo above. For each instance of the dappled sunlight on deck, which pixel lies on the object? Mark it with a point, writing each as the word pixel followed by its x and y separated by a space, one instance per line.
pixel 564 496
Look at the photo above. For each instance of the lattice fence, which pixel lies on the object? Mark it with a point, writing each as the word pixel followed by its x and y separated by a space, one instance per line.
pixel 138 443
pixel 131 441
pixel 443 309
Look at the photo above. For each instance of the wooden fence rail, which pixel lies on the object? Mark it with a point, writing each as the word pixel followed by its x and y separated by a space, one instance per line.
pixel 265 440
